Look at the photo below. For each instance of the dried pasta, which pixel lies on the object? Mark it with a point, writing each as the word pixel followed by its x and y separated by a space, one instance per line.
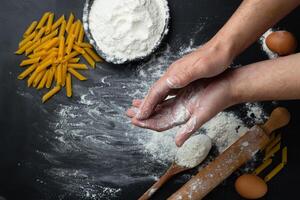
pixel 53 50
pixel 274 172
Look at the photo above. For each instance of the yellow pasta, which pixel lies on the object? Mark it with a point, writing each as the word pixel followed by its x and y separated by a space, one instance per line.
pixel 81 35
pixel 43 81
pixel 89 59
pixel 34 46
pixel 74 60
pixel 263 166
pixel 49 23
pixel 43 20
pixel 25 73
pixel 44 65
pixel 51 93
pixel 51 55
pixel 77 66
pixel 70 22
pixel 50 36
pixel 59 74
pixel 272 151
pixel 23 48
pixel 69 85
pixel 77 29
pixel 38 54
pixel 78 49
pixel 85 45
pixel 58 23
pixel 39 34
pixel 64 73
pixel 52 43
pixel 93 54
pixel 30 29
pixel 30 61
pixel 70 56
pixel 27 39
pixel 50 76
pixel 284 155
pixel 70 33
pixel 76 74
pixel 70 44
pixel 273 143
pixel 62 29
pixel 38 78
pixel 274 172
pixel 61 49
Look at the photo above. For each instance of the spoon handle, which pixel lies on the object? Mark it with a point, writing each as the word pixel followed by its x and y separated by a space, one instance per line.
pixel 173 170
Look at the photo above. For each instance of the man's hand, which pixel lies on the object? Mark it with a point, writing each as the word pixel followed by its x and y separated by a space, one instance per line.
pixel 192 107
pixel 208 61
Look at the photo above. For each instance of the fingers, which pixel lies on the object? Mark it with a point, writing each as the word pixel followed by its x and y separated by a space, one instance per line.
pixel 157 93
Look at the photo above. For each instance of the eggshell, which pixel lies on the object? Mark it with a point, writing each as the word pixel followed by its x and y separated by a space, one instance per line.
pixel 250 186
pixel 282 42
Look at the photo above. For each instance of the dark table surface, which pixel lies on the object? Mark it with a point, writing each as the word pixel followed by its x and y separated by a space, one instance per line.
pixel 24 121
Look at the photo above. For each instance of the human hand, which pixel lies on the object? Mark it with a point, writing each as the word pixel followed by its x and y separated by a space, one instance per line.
pixel 191 107
pixel 209 60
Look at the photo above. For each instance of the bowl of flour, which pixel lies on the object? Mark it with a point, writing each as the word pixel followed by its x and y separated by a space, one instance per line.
pixel 124 31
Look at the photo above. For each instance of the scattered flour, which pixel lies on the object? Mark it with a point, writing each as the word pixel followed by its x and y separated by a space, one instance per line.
pixel 264 47
pixel 193 151
pixel 128 29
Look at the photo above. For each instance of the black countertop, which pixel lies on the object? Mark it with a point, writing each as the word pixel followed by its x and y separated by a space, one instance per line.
pixel 24 121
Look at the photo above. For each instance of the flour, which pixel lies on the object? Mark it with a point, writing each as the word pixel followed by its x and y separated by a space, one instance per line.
pixel 128 29
pixel 264 47
pixel 193 151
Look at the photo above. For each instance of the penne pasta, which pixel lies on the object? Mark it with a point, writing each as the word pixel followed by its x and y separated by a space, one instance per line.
pixel 58 23
pixel 43 81
pixel 76 74
pixel 77 29
pixel 44 65
pixel 64 73
pixel 263 166
pixel 30 61
pixel 59 74
pixel 69 85
pixel 70 22
pixel 77 66
pixel 27 39
pixel 43 20
pixel 81 34
pixel 50 36
pixel 85 45
pixel 273 143
pixel 70 56
pixel 78 49
pixel 89 59
pixel 61 49
pixel 70 44
pixel 31 78
pixel 23 48
pixel 53 43
pixel 25 73
pixel 49 23
pixel 38 78
pixel 62 29
pixel 39 34
pixel 33 46
pixel 30 29
pixel 274 172
pixel 51 93
pixel 272 151
pixel 74 60
pixel 50 76
pixel 93 54
pixel 38 54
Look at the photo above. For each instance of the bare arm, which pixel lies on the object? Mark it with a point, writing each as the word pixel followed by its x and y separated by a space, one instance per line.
pixel 277 79
pixel 251 19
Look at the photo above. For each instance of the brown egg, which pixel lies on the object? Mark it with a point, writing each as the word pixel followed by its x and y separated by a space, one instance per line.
pixel 250 186
pixel 282 42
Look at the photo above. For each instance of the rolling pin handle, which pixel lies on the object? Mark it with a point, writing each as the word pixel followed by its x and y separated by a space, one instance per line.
pixel 279 118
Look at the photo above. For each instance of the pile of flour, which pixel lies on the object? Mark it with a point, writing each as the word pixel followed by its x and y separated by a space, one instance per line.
pixel 128 29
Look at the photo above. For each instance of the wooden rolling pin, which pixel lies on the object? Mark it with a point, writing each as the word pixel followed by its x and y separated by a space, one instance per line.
pixel 232 158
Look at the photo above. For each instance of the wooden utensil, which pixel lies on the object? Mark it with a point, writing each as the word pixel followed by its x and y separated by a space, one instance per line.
pixel 173 170
pixel 232 158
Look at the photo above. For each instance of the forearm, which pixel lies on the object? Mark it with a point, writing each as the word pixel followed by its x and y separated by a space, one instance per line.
pixel 250 21
pixel 277 79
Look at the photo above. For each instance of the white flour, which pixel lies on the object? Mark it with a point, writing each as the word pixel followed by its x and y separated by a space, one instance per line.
pixel 264 46
pixel 193 151
pixel 128 29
